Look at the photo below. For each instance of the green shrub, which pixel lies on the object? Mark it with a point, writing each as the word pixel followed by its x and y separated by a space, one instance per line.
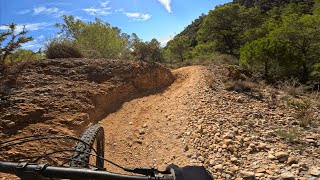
pixel 299 104
pixel 62 49
pixel 315 74
pixel 235 72
pixel 23 55
pixel 291 134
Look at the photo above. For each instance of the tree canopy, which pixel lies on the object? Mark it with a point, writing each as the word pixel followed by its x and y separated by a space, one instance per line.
pixel 275 39
pixel 95 39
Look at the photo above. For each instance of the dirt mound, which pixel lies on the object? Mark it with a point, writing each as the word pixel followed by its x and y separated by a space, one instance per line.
pixel 66 95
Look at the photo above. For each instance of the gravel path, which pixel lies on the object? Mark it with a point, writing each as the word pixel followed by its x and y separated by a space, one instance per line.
pixel 148 131
pixel 197 122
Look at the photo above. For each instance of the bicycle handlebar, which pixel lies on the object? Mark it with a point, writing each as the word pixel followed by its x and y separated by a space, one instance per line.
pixel 30 171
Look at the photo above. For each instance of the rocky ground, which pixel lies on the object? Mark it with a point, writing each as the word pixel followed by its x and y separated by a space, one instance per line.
pixel 238 135
pixel 195 121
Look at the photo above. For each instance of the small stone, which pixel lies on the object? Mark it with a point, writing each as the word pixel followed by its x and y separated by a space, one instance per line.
pixel 287 176
pixel 130 123
pixel 138 141
pixel 211 162
pixel 144 125
pixel 229 135
pixel 314 171
pixel 141 132
pixel 260 170
pixel 53 131
pixel 269 172
pixel 234 160
pixel 259 174
pixel 312 136
pixel 292 160
pixel 273 166
pixel 186 147
pixel 310 140
pixel 200 129
pixel 247 174
pixel 200 158
pixel 8 123
pixel 270 156
pixel 273 177
pixel 2 135
pixel 227 141
pixel 218 167
pixel 262 146
pixel 282 156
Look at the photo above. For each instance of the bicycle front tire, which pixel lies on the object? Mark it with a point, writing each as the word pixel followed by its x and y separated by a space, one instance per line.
pixel 93 136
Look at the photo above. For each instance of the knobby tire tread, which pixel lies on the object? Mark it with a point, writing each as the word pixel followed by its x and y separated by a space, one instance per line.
pixel 89 136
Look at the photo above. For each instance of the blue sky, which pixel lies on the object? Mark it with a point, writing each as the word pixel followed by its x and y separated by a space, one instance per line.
pixel 160 19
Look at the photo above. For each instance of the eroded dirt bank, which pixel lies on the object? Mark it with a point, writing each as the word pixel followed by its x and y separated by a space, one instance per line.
pixel 66 95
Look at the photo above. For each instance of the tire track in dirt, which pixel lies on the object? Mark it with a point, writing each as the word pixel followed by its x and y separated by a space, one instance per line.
pixel 148 131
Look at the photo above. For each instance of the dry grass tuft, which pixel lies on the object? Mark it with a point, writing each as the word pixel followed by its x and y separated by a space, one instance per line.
pixel 305 113
pixel 293 87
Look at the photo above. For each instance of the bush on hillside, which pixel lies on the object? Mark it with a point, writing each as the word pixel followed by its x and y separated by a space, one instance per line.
pixel 62 49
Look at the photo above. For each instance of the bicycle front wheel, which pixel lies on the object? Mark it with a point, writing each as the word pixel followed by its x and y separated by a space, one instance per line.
pixel 89 152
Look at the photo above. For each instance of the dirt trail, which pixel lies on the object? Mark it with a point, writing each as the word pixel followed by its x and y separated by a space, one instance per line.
pixel 147 131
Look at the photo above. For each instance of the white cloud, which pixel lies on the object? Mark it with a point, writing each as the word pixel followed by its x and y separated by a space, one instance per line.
pixel 103 10
pixel 31 45
pixel 98 11
pixel 36 44
pixel 42 9
pixel 119 10
pixel 138 16
pixel 104 4
pixel 56 12
pixel 166 4
pixel 26 11
pixel 163 42
pixel 28 26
